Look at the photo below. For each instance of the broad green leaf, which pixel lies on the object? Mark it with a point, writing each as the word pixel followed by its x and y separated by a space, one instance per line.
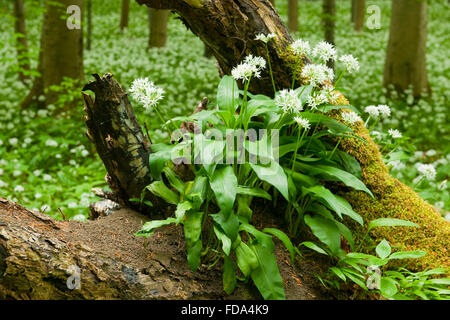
pixel 182 207
pixel 408 254
pixel 354 278
pixel 284 238
pixel 274 175
pixel 443 281
pixel 192 233
pixel 339 273
pixel 229 275
pixel 346 233
pixel 383 249
pixel 227 94
pixel 149 227
pixel 331 123
pixel 267 277
pixel 158 188
pixel 349 163
pixel 161 153
pixel 246 259
pixel 328 108
pixel 388 287
pixel 226 242
pixel 254 192
pixel 224 184
pixel 197 193
pixel 323 193
pixel 228 222
pixel 263 238
pixel 174 181
pixel 244 211
pixel 326 230
pixel 314 247
pixel 390 222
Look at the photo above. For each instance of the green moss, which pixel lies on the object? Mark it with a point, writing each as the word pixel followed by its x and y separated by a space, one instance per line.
pixel 293 63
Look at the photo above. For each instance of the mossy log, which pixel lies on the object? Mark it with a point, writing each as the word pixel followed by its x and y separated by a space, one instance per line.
pixel 41 258
pixel 229 29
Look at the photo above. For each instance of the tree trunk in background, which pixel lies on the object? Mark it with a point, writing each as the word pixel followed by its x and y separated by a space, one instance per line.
pixel 353 10
pixel 273 2
pixel 406 51
pixel 125 12
pixel 329 22
pixel 359 13
pixel 89 24
pixel 158 28
pixel 21 43
pixel 293 15
pixel 61 53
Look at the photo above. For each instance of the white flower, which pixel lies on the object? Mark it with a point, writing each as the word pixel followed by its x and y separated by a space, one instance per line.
pixel 72 205
pixel 258 62
pixel 1 171
pixel 45 207
pixel 38 195
pixel 84 153
pixel 325 51
pixel 430 153
pixel 427 170
pixel 265 38
pixel 19 189
pixel 397 165
pixel 37 173
pixel 317 99
pixel 303 123
pixel 350 117
pixel 384 110
pixel 442 185
pixel 350 63
pixel 289 101
pixel 439 204
pixel 47 177
pixel 300 47
pixel 79 217
pixel 394 133
pixel 330 93
pixel 3 184
pixel 245 71
pixel 17 173
pixel 13 141
pixel 27 140
pixel 146 92
pixel 1 142
pixel 51 143
pixel 317 74
pixel 372 111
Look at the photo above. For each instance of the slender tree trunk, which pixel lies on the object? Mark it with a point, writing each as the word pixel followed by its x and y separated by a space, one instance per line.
pixel 89 24
pixel 21 43
pixel 353 10
pixel 158 28
pixel 125 12
pixel 329 22
pixel 359 13
pixel 406 51
pixel 293 15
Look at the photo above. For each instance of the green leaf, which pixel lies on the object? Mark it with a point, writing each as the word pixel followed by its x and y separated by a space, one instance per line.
pixel 339 273
pixel 246 259
pixel 161 153
pixel 328 108
pixel 149 227
pixel 408 254
pixel 264 239
pixel 323 193
pixel 274 175
pixel 443 281
pixel 174 181
pixel 226 242
pixel 224 184
pixel 284 238
pixel 158 188
pixel 383 249
pixel 314 247
pixel 388 287
pixel 390 222
pixel 227 94
pixel 192 233
pixel 182 207
pixel 197 194
pixel 229 275
pixel 228 222
pixel 334 125
pixel 255 192
pixel 244 211
pixel 267 277
pixel 326 230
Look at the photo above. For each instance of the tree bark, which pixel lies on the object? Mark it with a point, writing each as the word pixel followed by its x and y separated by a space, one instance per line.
pixel 232 38
pixel 158 28
pixel 353 10
pixel 406 51
pixel 61 53
pixel 293 15
pixel 124 14
pixel 21 42
pixel 359 14
pixel 89 24
pixel 329 22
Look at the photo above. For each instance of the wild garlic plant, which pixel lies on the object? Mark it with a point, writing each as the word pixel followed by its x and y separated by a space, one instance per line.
pixel 247 146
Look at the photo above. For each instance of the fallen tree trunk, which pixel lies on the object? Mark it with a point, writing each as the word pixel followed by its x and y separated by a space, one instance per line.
pixel 229 29
pixel 41 258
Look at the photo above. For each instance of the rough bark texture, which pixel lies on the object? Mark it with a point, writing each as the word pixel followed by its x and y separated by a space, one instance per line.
pixel 21 43
pixel 124 14
pixel 38 256
pixel 359 14
pixel 293 15
pixel 406 50
pixel 118 138
pixel 239 21
pixel 158 28
pixel 329 23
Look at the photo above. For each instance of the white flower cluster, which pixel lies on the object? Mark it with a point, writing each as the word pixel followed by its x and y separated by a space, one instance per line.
pixel 330 93
pixel 317 74
pixel 375 111
pixel 350 117
pixel 289 101
pixel 394 133
pixel 265 38
pixel 317 99
pixel 325 51
pixel 427 170
pixel 146 92
pixel 300 47
pixel 251 67
pixel 350 63
pixel 302 122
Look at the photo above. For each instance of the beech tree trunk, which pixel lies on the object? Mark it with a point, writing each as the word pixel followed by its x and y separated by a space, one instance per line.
pixel 353 10
pixel 61 52
pixel 124 14
pixel 406 51
pixel 359 14
pixel 21 42
pixel 329 22
pixel 293 15
pixel 89 24
pixel 158 28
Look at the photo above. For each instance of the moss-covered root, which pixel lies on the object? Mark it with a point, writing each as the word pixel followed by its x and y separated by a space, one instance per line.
pixel 393 199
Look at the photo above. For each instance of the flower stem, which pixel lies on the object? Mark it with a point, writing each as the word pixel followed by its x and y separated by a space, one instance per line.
pixel 270 69
pixel 295 72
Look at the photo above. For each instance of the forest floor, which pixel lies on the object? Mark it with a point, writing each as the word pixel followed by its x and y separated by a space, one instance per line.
pixel 46 162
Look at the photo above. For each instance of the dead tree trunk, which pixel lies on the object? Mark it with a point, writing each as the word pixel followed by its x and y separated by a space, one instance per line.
pixel 21 42
pixel 158 28
pixel 406 51
pixel 124 14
